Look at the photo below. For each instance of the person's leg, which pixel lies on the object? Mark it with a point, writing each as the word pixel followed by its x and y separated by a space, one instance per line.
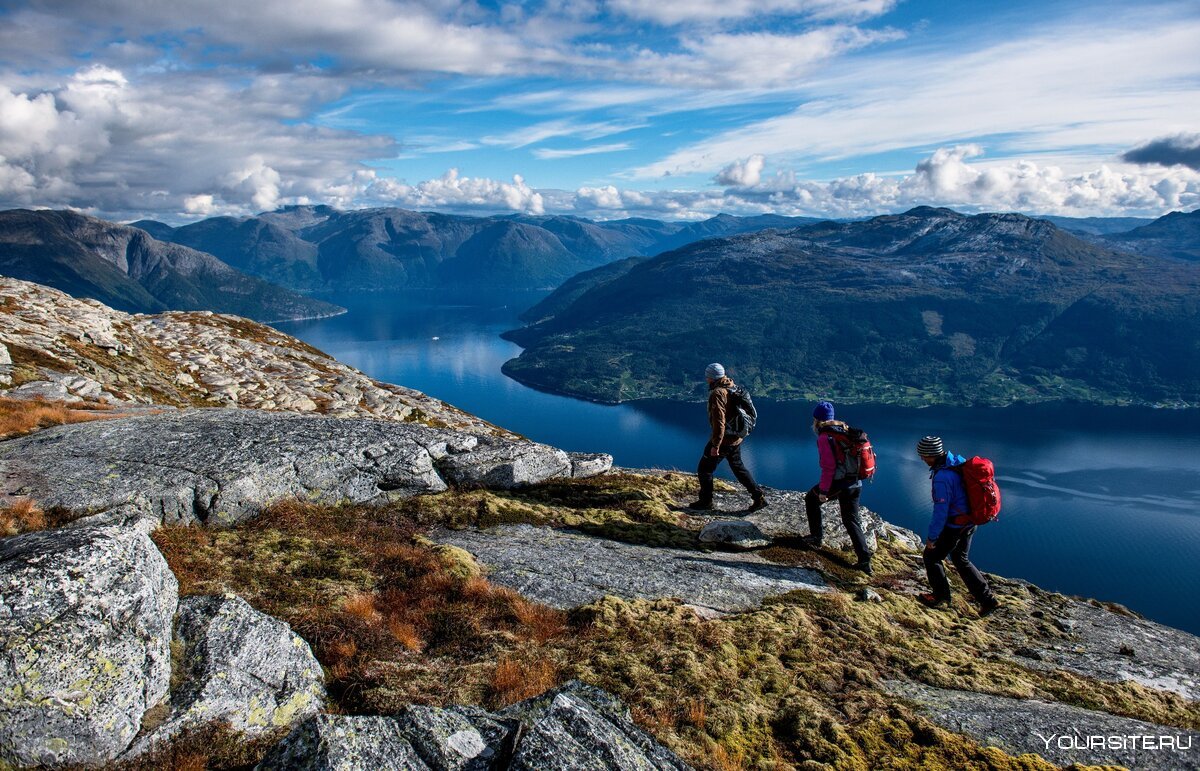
pixel 848 505
pixel 975 581
pixel 734 455
pixel 812 507
pixel 934 568
pixel 704 471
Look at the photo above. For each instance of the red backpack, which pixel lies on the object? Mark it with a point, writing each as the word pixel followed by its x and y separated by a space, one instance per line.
pixel 853 453
pixel 983 494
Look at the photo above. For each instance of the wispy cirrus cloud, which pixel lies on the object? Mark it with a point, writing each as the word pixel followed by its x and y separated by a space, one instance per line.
pixel 545 153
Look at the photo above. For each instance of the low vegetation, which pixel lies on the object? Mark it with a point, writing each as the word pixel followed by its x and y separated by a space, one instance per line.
pixel 395 618
pixel 24 416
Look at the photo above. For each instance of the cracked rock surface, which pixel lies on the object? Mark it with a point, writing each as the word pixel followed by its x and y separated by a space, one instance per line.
pixel 85 635
pixel 222 466
pixel 566 569
pixel 1014 724
pixel 574 727
pixel 242 668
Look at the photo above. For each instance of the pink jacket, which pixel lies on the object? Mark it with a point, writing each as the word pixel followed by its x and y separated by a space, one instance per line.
pixel 828 462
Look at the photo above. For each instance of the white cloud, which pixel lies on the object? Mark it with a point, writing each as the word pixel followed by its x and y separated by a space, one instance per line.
pixel 746 173
pixel 1111 82
pixel 757 60
pixel 547 154
pixel 677 12
pixel 452 191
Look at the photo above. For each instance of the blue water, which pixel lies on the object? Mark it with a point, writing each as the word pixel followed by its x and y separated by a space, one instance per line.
pixel 1098 502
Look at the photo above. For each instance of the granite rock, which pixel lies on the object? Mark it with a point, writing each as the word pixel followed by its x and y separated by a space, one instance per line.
pixel 567 569
pixel 736 534
pixel 85 636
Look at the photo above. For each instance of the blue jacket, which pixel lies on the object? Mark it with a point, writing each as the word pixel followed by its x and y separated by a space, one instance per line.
pixel 949 496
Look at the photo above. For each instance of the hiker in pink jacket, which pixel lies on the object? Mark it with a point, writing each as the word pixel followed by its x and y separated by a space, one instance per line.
pixel 835 484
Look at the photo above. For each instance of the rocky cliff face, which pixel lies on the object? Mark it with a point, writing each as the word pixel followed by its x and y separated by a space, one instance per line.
pixel 230 587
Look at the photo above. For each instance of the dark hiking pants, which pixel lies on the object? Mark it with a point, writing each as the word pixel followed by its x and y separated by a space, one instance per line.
pixel 708 464
pixel 955 543
pixel 847 498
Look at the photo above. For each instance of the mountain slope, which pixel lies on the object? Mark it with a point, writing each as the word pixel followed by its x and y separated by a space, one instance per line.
pixel 130 270
pixel 1175 235
pixel 930 306
pixel 316 247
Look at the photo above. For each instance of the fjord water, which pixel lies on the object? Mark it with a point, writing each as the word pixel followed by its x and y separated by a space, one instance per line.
pixel 1098 502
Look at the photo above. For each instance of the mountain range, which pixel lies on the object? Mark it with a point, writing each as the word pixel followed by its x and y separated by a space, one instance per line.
pixel 318 248
pixel 929 306
pixel 128 269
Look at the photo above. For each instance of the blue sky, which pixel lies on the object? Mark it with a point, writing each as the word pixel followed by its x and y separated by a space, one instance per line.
pixel 600 108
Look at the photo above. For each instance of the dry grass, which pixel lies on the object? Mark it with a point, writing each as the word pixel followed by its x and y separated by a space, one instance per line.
pixel 515 680
pixel 23 416
pixel 21 516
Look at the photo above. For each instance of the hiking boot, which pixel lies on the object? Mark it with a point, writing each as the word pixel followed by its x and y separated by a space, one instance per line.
pixel 760 502
pixel 812 542
pixel 988 606
pixel 864 566
pixel 701 504
pixel 930 601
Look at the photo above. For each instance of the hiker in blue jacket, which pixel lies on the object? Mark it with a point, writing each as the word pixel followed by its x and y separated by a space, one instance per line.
pixel 948 534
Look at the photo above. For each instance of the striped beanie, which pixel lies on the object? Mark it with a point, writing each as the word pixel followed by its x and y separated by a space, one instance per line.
pixel 714 371
pixel 931 447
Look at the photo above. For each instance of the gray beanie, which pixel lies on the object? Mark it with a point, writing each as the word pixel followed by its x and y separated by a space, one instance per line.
pixel 931 447
pixel 714 371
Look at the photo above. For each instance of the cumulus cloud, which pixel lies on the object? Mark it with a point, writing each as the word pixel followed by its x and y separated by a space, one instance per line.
pixel 454 192
pixel 1177 150
pixel 747 173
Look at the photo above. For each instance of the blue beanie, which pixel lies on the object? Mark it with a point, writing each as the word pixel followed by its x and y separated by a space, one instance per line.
pixel 714 371
pixel 824 411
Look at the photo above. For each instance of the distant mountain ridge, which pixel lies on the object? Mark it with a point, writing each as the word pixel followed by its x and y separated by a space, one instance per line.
pixel 315 248
pixel 129 269
pixel 929 306
pixel 1175 235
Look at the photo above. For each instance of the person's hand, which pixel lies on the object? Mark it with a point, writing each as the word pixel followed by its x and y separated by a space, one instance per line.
pixel 822 497
pixel 714 451
pixel 929 545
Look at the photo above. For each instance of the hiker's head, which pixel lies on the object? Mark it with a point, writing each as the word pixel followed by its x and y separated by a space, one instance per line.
pixel 823 412
pixel 931 450
pixel 714 371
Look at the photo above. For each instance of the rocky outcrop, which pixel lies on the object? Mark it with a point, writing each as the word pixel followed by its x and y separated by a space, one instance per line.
pixel 222 466
pixel 240 668
pixel 1090 639
pixel 566 569
pixel 344 743
pixel 571 728
pixel 85 634
pixel 189 359
pixel 577 727
pixel 735 534
pixel 1060 733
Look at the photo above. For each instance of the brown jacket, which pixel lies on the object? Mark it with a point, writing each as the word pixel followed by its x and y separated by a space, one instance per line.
pixel 718 404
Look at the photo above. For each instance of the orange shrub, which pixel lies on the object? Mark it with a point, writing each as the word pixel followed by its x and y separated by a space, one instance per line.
pixel 514 680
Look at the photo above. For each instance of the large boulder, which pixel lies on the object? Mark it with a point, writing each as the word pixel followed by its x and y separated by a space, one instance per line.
pixel 344 743
pixel 576 727
pixel 85 642
pixel 457 738
pixel 241 668
pixel 220 466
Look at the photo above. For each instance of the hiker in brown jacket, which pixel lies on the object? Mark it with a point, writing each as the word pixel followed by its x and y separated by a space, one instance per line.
pixel 724 396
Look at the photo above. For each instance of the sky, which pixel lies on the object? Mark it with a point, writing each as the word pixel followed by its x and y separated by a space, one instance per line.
pixel 668 109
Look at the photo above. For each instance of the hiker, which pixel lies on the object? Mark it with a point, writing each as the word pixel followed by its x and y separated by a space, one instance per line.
pixel 950 531
pixel 836 483
pixel 725 440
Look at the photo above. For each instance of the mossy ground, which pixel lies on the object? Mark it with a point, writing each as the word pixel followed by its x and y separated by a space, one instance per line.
pixel 395 618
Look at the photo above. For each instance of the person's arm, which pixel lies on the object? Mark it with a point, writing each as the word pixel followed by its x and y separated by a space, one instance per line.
pixel 942 490
pixel 828 463
pixel 718 401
